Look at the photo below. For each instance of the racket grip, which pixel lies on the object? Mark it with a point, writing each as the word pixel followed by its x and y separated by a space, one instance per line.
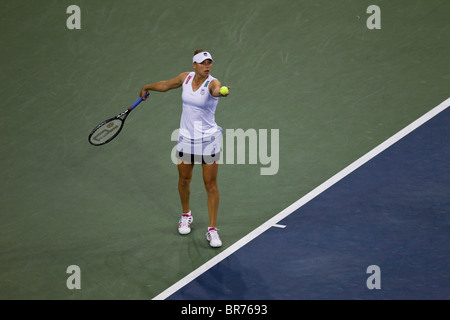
pixel 138 101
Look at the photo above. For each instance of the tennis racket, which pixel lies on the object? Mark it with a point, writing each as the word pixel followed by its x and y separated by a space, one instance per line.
pixel 109 129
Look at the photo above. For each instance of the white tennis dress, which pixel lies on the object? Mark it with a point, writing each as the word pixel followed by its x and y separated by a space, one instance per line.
pixel 199 133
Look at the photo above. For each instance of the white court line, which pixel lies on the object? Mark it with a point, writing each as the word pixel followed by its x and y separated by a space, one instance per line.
pixel 302 201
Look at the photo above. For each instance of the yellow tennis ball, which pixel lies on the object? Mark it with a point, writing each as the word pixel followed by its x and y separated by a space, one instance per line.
pixel 224 91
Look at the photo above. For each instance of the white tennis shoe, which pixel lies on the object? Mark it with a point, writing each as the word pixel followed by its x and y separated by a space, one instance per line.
pixel 184 225
pixel 213 237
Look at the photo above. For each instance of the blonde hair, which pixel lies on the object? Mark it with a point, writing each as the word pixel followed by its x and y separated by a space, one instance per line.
pixel 198 51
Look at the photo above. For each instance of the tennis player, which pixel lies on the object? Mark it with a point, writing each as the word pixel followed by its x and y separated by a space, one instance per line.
pixel 199 138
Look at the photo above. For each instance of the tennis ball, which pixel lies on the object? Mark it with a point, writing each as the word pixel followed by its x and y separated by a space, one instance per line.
pixel 224 91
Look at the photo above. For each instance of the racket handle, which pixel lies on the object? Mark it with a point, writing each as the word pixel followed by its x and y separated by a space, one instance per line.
pixel 138 101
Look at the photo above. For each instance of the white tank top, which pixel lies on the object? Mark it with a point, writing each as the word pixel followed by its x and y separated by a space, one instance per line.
pixel 199 107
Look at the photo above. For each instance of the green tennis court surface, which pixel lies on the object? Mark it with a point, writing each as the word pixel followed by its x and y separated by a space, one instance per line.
pixel 311 69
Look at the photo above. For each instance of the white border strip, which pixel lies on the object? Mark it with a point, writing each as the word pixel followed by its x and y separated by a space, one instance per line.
pixel 302 201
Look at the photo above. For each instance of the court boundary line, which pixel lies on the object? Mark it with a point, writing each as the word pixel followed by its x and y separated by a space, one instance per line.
pixel 303 200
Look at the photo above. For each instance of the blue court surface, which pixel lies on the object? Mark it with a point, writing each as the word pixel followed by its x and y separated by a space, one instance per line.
pixel 391 212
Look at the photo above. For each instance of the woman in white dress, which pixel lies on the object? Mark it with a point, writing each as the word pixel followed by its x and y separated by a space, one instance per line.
pixel 199 137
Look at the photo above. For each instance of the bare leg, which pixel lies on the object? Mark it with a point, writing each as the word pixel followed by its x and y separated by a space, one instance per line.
pixel 210 181
pixel 184 181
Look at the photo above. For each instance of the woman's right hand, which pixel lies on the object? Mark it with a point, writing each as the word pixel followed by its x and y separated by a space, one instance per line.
pixel 144 94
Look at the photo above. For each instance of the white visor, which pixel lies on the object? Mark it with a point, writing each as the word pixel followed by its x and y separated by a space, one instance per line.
pixel 202 56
